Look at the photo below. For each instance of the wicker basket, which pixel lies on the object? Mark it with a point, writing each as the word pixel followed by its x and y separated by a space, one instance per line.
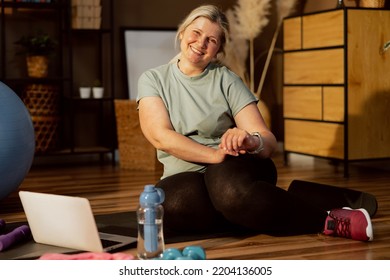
pixel 372 3
pixel 135 152
pixel 42 102
pixel 41 99
pixel 45 128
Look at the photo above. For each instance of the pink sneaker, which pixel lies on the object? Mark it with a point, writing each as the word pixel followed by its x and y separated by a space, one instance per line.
pixel 349 223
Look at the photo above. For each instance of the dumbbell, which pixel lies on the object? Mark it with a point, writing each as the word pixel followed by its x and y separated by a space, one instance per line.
pixel 188 253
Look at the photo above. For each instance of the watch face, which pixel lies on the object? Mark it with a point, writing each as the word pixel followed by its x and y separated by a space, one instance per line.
pixel 261 143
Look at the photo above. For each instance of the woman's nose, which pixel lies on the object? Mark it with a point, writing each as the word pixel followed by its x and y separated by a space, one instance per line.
pixel 202 42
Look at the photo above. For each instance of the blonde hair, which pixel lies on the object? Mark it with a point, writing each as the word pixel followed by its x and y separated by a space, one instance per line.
pixel 215 15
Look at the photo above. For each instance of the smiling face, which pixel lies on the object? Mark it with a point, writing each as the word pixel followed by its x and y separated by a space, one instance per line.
pixel 200 43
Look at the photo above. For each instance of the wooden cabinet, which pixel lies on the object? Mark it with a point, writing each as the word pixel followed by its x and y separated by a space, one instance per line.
pixel 336 91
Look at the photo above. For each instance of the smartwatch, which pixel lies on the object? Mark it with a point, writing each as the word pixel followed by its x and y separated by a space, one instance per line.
pixel 261 144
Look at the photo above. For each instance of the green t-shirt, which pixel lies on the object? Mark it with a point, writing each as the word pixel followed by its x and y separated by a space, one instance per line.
pixel 201 108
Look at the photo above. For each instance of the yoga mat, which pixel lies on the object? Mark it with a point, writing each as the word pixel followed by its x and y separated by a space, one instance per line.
pixel 126 224
pixel 119 223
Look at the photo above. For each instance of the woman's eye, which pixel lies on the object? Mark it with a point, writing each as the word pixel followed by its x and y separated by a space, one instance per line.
pixel 213 41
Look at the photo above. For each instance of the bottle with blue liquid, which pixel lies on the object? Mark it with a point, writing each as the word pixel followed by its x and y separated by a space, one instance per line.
pixel 150 223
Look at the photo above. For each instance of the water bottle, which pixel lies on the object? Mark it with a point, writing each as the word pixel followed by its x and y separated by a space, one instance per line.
pixel 150 223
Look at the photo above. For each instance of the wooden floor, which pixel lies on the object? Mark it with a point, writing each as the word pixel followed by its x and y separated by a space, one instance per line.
pixel 111 190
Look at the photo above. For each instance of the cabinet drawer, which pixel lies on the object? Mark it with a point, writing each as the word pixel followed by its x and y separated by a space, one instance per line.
pixel 333 98
pixel 323 30
pixel 314 138
pixel 292 34
pixel 314 67
pixel 302 102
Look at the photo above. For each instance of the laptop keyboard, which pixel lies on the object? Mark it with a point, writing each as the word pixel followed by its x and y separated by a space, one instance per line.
pixel 108 243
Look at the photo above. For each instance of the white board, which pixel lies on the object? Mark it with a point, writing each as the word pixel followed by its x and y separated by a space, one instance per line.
pixel 145 49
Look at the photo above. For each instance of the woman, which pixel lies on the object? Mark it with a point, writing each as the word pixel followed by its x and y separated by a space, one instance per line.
pixel 216 148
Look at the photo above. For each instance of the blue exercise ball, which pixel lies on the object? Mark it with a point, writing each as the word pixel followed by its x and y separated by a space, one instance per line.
pixel 17 141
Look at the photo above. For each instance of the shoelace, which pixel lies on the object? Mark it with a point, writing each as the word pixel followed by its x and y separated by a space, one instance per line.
pixel 342 226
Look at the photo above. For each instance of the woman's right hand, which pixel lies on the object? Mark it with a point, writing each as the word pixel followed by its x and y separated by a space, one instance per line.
pixel 219 155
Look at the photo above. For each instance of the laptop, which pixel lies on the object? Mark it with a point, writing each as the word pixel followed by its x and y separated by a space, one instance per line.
pixel 67 221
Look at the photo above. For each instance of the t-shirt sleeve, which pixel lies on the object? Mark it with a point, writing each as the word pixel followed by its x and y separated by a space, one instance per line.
pixel 238 95
pixel 147 85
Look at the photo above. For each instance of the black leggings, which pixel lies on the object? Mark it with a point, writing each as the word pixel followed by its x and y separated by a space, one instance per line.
pixel 242 192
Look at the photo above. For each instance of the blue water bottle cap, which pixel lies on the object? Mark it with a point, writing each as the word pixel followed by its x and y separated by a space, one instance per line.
pixel 151 196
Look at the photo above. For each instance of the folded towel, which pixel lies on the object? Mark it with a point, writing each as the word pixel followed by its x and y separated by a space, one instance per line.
pixel 87 256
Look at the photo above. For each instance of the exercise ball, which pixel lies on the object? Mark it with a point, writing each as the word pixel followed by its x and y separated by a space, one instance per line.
pixel 17 141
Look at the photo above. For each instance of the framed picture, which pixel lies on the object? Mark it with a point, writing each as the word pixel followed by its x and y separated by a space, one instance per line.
pixel 145 49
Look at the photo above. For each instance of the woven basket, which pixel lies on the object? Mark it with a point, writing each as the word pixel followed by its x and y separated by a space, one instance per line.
pixel 41 99
pixel 135 152
pixel 372 3
pixel 45 133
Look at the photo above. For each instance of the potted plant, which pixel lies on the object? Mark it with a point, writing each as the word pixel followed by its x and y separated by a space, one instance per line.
pixel 97 89
pixel 37 48
pixel 85 91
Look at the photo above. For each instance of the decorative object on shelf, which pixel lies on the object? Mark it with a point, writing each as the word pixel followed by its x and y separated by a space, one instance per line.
pixel 86 14
pixel 97 89
pixel 37 48
pixel 85 92
pixel 37 66
pixel 16 141
pixel 340 4
pixel 42 101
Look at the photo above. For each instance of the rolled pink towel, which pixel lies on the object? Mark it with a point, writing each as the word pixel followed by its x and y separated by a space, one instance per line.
pixel 87 256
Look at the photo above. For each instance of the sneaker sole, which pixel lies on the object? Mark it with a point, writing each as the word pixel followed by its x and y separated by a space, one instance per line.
pixel 369 231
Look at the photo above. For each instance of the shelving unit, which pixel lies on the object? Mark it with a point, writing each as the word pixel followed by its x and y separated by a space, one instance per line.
pixel 82 126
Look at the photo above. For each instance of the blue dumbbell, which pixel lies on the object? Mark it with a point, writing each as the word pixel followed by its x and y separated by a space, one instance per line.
pixel 171 254
pixel 188 253
pixel 194 252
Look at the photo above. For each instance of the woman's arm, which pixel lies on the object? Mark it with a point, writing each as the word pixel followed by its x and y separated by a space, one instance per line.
pixel 239 140
pixel 157 128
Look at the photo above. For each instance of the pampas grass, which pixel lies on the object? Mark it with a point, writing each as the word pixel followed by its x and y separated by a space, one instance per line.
pixel 247 20
pixel 236 49
pixel 284 8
